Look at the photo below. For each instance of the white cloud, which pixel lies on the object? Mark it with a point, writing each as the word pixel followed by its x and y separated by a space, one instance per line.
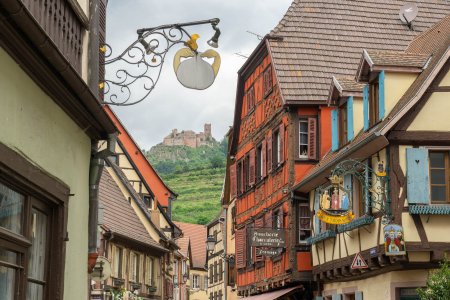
pixel 171 105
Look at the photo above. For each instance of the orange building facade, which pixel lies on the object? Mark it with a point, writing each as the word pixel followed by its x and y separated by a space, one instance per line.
pixel 272 146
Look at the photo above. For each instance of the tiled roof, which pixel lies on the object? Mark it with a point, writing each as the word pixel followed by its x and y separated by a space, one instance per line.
pixel 197 235
pixel 398 58
pixel 430 39
pixel 349 84
pixel 118 215
pixel 183 243
pixel 323 38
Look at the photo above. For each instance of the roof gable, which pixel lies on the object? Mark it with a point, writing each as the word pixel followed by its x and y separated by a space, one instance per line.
pixel 323 38
pixel 197 238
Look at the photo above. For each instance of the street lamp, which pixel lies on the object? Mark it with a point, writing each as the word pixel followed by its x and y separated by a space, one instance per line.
pixel 136 71
pixel 210 243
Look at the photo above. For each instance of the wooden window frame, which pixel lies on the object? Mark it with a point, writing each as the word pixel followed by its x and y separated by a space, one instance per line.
pixel 374 108
pixel 259 163
pixel 308 157
pixel 342 124
pixel 299 218
pixel 45 193
pixel 267 80
pixel 446 169
pixel 250 95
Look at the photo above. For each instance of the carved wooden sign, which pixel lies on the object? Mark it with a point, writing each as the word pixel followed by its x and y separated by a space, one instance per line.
pixel 268 238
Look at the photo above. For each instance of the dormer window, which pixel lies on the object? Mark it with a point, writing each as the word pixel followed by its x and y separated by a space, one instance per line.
pixel 374 109
pixel 373 101
pixel 343 125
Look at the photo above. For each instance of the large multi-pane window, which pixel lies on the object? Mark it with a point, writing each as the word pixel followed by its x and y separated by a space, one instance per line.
pixel 439 176
pixel 134 267
pixel 25 235
pixel 195 281
pixel 303 138
pixel 117 261
pixel 304 223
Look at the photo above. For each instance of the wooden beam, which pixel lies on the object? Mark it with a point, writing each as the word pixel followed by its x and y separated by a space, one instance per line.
pixel 437 138
pixel 421 230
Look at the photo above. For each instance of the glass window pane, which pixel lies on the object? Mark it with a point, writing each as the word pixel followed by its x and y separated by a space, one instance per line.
pixel 7 282
pixel 437 176
pixel 303 151
pixel 8 256
pixel 304 139
pixel 303 126
pixel 35 291
pixel 11 208
pixel 36 265
pixel 437 160
pixel 438 193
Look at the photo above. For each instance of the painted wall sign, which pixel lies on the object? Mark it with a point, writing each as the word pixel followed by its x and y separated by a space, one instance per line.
pixel 359 262
pixel 194 72
pixel 269 252
pixel 268 238
pixel 394 243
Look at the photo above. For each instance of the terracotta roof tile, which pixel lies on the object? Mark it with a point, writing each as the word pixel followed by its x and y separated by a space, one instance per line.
pixel 323 38
pixel 183 243
pixel 197 235
pixel 429 40
pixel 118 215
pixel 398 58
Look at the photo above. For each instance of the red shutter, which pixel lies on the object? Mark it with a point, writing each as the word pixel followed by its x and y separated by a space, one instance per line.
pixel 281 133
pixel 259 223
pixel 251 180
pixel 241 177
pixel 268 220
pixel 233 182
pixel 312 138
pixel 264 159
pixel 240 248
pixel 269 154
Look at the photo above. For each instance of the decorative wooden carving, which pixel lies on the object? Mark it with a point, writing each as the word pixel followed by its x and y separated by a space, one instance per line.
pixel 62 25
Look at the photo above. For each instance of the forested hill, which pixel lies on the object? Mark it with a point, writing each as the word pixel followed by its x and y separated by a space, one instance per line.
pixel 196 175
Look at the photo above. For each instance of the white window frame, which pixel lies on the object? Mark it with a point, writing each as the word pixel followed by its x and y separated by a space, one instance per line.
pixel 300 133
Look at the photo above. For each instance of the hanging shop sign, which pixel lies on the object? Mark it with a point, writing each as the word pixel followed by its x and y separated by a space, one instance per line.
pixel 195 72
pixel 335 203
pixel 358 262
pixel 269 252
pixel 268 238
pixel 394 243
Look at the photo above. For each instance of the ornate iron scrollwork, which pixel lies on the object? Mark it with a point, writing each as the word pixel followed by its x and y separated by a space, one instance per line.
pixel 135 72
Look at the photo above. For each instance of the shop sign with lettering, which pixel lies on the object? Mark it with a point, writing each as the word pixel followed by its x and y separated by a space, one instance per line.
pixel 268 238
pixel 269 252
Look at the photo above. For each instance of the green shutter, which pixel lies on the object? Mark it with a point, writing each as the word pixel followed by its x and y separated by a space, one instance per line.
pixel 359 295
pixel 381 95
pixel 366 107
pixel 316 209
pixel 417 175
pixel 350 131
pixel 334 130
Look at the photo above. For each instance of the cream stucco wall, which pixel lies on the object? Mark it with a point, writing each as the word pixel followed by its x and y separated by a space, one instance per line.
pixel 358 115
pixel 38 129
pixel 395 85
pixel 199 294
pixel 446 80
pixel 381 286
pixel 434 115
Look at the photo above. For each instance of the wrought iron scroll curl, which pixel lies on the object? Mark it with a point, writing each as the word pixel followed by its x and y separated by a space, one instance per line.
pixel 374 186
pixel 138 68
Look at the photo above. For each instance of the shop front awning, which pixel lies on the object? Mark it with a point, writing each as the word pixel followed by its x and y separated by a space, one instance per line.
pixel 274 295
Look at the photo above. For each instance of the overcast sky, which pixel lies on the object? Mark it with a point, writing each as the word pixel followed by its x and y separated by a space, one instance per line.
pixel 171 105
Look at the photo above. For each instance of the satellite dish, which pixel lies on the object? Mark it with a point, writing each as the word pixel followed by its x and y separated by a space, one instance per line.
pixel 102 269
pixel 408 13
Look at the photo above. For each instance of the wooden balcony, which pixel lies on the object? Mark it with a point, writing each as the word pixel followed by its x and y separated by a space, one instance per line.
pixel 64 23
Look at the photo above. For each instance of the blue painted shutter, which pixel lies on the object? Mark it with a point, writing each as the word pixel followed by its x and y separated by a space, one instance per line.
pixel 350 132
pixel 381 108
pixel 336 297
pixel 359 295
pixel 417 175
pixel 316 209
pixel 366 107
pixel 334 130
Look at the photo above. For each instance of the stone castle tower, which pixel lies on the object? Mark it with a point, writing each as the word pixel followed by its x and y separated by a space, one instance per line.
pixel 190 138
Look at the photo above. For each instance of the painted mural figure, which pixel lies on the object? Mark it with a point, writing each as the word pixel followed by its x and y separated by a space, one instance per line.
pixel 393 240
pixel 325 203
pixel 335 202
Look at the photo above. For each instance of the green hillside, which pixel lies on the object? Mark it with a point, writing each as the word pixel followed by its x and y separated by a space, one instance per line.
pixel 196 175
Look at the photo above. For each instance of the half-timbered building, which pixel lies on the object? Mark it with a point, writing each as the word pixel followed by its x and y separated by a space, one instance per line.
pixel 380 197
pixel 282 129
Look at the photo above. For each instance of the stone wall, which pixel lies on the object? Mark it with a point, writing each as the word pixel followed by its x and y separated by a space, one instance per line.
pixel 190 138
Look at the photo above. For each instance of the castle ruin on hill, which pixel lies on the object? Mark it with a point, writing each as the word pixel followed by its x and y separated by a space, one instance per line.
pixel 190 138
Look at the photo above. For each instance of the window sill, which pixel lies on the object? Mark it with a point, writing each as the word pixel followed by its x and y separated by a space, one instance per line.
pixel 432 209
pixel 306 160
pixel 277 169
pixel 321 237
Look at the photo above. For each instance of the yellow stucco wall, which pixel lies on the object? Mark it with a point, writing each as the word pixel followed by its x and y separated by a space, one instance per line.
pixel 446 80
pixel 36 127
pixel 199 294
pixel 434 115
pixel 395 85
pixel 358 115
pixel 379 287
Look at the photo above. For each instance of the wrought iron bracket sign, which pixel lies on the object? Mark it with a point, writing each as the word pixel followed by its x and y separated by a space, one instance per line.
pixel 133 74
pixel 336 198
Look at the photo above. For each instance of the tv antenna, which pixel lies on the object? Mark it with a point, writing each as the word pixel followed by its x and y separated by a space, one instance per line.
pixel 408 13
pixel 258 36
pixel 240 54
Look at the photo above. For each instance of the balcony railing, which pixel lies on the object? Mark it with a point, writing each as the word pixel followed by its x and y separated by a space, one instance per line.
pixel 62 25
